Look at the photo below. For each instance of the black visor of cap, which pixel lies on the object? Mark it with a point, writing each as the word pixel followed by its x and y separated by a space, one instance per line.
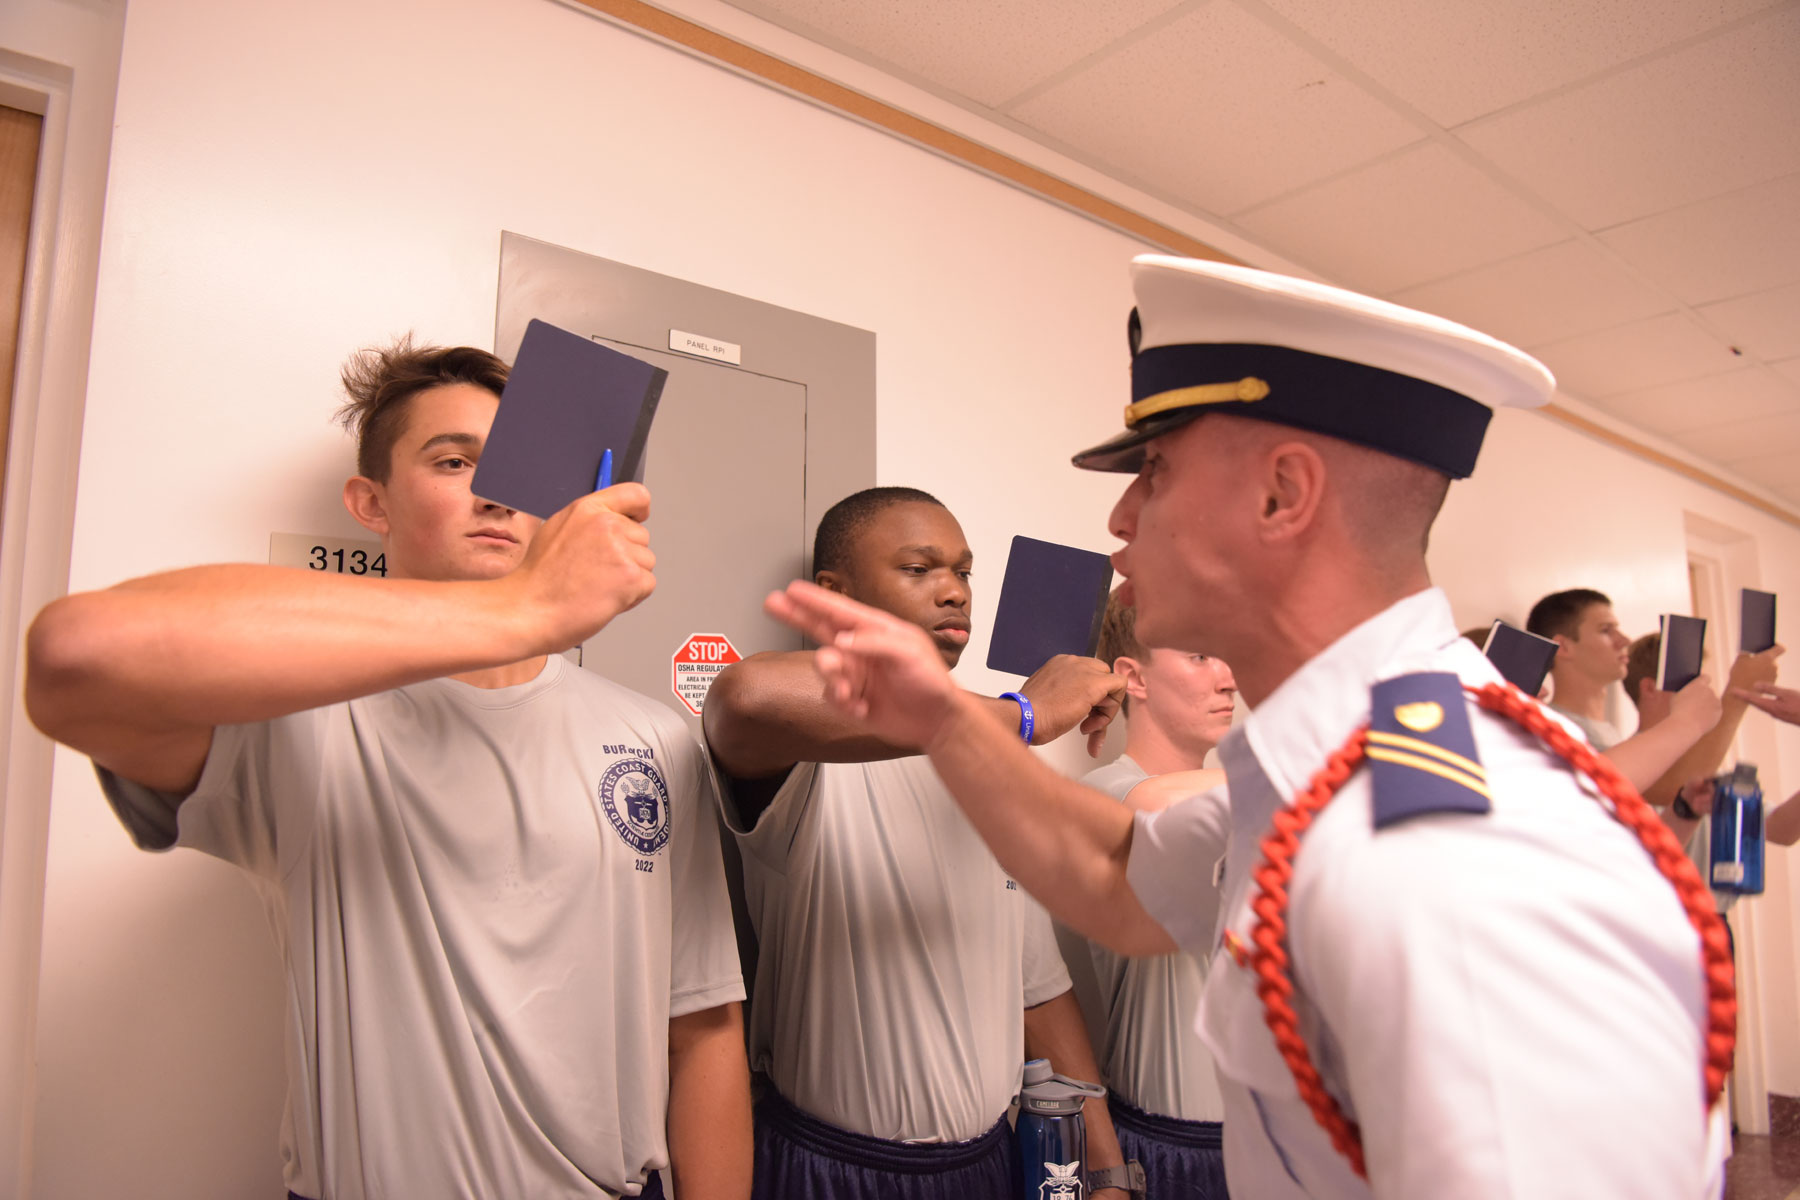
pixel 1384 410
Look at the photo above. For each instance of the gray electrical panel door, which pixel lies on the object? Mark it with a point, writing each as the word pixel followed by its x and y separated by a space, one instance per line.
pixel 743 457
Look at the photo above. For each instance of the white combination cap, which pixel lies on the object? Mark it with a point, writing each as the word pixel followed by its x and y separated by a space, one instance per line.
pixel 1213 337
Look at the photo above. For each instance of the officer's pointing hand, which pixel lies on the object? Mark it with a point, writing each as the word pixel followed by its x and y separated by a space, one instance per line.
pixel 1781 703
pixel 877 668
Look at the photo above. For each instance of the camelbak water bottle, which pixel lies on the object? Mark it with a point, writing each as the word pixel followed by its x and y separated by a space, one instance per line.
pixel 1052 1136
pixel 1737 833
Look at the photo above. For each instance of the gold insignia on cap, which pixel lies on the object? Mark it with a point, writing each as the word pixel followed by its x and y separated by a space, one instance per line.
pixel 1247 390
pixel 1422 717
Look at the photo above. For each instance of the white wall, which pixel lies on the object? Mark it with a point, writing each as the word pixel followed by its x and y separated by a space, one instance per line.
pixel 291 182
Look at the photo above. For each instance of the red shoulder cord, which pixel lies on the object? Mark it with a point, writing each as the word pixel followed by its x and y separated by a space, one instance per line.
pixel 1272 876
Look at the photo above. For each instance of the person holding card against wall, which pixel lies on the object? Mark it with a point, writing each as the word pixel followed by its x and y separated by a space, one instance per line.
pixel 1593 655
pixel 900 971
pixel 1159 1076
pixel 1443 969
pixel 495 877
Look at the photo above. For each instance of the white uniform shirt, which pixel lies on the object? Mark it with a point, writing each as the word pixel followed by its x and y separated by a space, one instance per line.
pixel 895 958
pixel 490 903
pixel 1152 1059
pixel 1511 1004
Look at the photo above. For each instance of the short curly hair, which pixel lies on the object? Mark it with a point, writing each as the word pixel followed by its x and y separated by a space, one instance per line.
pixel 1118 632
pixel 843 521
pixel 380 381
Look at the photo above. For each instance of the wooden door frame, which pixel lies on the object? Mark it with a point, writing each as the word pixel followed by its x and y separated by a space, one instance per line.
pixel 37 510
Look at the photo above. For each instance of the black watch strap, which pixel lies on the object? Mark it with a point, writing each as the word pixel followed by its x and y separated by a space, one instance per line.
pixel 1683 809
pixel 1128 1176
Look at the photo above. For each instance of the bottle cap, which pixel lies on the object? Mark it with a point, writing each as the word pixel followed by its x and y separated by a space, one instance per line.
pixel 1049 1093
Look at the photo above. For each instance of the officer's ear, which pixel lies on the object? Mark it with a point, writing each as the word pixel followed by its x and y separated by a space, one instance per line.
pixel 1565 645
pixel 832 581
pixel 1293 487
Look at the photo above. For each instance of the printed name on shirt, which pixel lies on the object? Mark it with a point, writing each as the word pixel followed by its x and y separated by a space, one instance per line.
pixel 639 751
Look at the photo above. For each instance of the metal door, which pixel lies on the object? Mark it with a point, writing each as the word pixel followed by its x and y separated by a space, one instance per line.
pixel 743 457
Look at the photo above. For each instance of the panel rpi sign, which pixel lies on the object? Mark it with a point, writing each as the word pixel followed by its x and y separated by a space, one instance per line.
pixel 697 664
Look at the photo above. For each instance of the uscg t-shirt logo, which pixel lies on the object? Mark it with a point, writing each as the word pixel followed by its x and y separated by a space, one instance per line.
pixel 637 804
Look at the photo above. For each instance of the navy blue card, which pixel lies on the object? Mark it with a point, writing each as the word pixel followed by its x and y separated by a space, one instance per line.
pixel 1683 644
pixel 568 400
pixel 1523 659
pixel 1051 602
pixel 1756 627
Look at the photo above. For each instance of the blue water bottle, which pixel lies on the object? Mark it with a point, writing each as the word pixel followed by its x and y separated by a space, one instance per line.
pixel 1052 1135
pixel 1737 833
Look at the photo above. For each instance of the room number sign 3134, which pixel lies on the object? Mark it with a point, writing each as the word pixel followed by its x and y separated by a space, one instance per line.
pixel 343 556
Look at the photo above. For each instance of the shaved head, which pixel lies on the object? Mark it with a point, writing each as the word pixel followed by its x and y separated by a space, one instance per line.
pixel 1389 504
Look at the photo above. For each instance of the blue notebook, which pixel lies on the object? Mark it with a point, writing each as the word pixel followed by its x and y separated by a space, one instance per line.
pixel 1756 624
pixel 568 400
pixel 1523 659
pixel 1683 650
pixel 1051 603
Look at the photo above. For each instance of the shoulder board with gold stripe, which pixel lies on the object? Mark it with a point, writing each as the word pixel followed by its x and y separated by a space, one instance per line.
pixel 1421 750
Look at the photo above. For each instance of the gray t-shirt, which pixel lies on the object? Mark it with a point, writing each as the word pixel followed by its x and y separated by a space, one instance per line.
pixel 490 903
pixel 895 957
pixel 1152 1057
pixel 1602 735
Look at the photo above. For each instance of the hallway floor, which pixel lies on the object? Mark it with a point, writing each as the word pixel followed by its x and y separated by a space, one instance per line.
pixel 1768 1168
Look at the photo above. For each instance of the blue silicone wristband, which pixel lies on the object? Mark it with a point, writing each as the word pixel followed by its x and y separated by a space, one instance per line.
pixel 1027 719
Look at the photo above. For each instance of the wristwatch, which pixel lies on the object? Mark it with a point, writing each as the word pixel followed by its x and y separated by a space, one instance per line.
pixel 1683 809
pixel 1127 1177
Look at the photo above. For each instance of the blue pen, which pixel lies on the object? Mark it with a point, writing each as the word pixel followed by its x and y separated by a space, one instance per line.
pixel 603 480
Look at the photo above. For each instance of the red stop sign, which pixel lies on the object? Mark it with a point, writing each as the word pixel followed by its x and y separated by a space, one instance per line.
pixel 697 664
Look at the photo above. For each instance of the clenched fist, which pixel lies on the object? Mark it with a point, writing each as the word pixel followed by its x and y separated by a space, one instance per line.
pixel 587 564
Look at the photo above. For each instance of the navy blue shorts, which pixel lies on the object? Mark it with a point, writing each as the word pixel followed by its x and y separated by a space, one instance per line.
pixel 1183 1160
pixel 799 1157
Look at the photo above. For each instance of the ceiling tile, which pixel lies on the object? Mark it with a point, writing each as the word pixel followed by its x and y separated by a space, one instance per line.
pixel 1748 241
pixel 1217 110
pixel 1454 62
pixel 1675 408
pixel 1703 121
pixel 1766 324
pixel 1780 473
pixel 1630 358
pixel 1421 214
pixel 1740 441
pixel 989 51
pixel 1552 293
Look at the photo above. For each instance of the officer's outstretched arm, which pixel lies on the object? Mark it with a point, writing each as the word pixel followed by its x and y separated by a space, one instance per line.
pixel 1067 844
